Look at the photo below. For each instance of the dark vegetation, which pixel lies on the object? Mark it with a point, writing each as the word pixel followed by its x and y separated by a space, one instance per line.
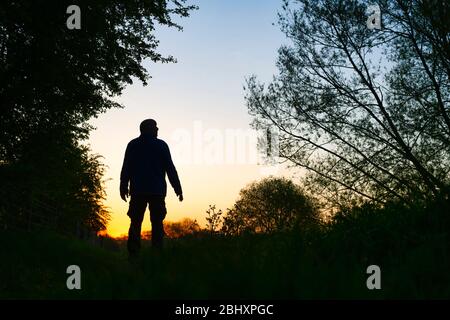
pixel 375 143
pixel 53 80
pixel 411 247
pixel 324 260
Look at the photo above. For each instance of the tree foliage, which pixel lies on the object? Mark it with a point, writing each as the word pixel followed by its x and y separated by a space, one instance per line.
pixel 63 185
pixel 53 76
pixel 177 229
pixel 213 219
pixel 53 80
pixel 365 111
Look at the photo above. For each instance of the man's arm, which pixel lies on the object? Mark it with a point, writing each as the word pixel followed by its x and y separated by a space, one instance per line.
pixel 125 175
pixel 173 174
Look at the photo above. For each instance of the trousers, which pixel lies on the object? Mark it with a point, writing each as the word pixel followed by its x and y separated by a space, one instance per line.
pixel 136 212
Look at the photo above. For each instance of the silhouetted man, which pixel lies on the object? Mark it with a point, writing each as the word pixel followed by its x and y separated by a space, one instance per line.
pixel 147 160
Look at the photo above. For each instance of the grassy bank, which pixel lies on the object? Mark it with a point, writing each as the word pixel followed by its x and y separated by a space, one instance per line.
pixel 410 246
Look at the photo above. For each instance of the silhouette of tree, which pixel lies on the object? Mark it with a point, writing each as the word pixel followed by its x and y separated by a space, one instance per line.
pixel 181 228
pixel 55 77
pixel 366 112
pixel 53 80
pixel 213 219
pixel 60 182
pixel 269 205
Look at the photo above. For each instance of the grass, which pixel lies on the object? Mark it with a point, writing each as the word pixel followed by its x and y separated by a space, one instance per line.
pixel 410 246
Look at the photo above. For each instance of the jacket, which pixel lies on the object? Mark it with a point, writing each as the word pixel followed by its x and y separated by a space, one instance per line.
pixel 146 162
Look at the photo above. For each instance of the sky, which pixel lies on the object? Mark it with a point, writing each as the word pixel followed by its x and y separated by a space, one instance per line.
pixel 200 108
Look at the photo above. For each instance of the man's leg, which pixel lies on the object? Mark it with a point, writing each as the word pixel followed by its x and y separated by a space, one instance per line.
pixel 157 214
pixel 136 213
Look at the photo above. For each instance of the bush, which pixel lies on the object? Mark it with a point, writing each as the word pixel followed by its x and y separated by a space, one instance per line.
pixel 270 205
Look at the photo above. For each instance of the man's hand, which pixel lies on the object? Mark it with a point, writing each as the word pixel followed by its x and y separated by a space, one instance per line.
pixel 124 194
pixel 180 196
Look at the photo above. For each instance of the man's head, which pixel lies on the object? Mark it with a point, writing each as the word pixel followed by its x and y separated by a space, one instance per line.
pixel 148 126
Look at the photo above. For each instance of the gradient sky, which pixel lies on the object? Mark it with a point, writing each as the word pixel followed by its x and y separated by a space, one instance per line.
pixel 202 97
